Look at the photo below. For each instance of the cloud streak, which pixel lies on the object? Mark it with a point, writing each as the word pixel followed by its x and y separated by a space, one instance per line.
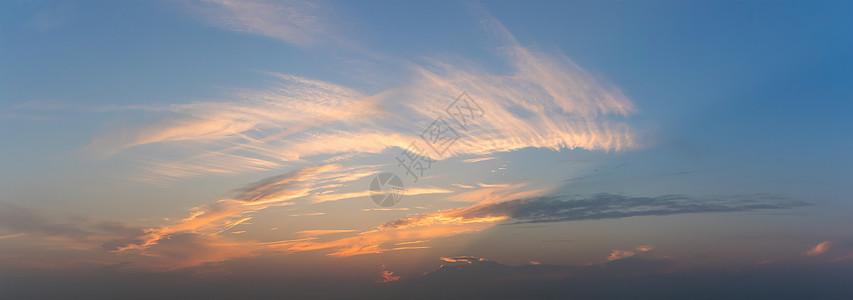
pixel 607 206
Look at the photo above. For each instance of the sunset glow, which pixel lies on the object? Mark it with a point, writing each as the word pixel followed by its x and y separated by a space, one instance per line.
pixel 256 149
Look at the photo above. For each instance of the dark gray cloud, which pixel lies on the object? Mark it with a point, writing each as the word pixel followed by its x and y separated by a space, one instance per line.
pixel 560 208
pixel 110 233
pixel 604 206
pixel 20 219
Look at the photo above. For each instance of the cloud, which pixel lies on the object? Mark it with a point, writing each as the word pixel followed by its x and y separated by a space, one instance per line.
pixel 260 130
pixel 169 247
pixel 645 248
pixel 219 216
pixel 600 206
pixel 298 22
pixel 11 236
pixel 496 209
pixel 374 241
pixel 542 101
pixel 401 232
pixel 603 206
pixel 76 232
pixel 479 159
pixel 159 247
pixel 619 254
pixel 388 276
pixel 412 242
pixel 501 205
pixel 310 233
pixel 492 193
pixel 408 192
pixel 186 249
pixel 79 244
pixel 465 259
pixel 385 209
pixel 462 186
pixel 308 214
pixel 819 248
pixel 193 240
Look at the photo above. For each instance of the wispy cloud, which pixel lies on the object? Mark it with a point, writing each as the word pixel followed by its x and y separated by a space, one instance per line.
pixel 819 248
pixel 308 214
pixel 542 101
pixel 262 129
pixel 465 259
pixel 462 186
pixel 385 209
pixel 411 242
pixel 310 233
pixel 294 21
pixel 11 236
pixel 479 159
pixel 224 214
pixel 408 192
pixel 603 206
pixel 492 193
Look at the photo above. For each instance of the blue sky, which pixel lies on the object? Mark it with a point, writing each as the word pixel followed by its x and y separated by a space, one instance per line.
pixel 701 134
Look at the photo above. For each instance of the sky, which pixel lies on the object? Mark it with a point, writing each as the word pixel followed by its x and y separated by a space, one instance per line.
pixel 426 149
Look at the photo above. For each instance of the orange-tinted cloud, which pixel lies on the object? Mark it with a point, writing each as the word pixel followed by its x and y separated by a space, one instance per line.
pixel 619 254
pixel 388 276
pixel 409 192
pixel 645 248
pixel 10 236
pixel 819 248
pixel 479 159
pixel 225 214
pixel 465 259
pixel 297 22
pixel 416 228
pixel 543 101
pixel 310 233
